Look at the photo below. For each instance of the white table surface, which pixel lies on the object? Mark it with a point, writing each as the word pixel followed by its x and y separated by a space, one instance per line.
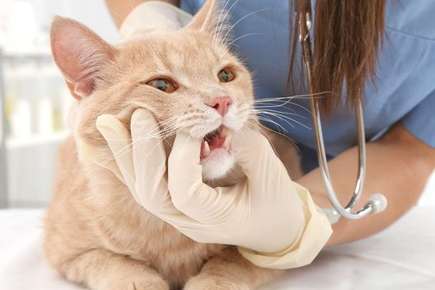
pixel 402 257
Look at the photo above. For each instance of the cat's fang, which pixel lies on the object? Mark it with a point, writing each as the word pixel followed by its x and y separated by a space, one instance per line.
pixel 227 142
pixel 215 142
pixel 206 149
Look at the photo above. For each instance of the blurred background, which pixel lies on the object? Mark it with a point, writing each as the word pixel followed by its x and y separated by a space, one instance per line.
pixel 34 99
pixel 33 96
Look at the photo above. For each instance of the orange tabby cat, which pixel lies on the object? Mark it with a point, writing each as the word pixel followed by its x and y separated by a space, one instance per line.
pixel 95 233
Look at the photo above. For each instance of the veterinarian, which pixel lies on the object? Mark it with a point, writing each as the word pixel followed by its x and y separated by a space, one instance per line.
pixel 385 54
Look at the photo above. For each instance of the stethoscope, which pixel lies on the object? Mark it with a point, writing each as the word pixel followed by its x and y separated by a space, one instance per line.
pixel 377 202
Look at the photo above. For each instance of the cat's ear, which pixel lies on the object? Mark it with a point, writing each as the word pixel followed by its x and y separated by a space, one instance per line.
pixel 208 17
pixel 80 54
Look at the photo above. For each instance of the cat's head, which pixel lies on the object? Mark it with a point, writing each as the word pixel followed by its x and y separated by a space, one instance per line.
pixel 188 79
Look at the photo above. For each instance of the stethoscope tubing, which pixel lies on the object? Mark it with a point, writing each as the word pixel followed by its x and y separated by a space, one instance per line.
pixel 377 202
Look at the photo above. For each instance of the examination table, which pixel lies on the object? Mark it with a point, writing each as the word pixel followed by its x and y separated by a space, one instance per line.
pixel 402 257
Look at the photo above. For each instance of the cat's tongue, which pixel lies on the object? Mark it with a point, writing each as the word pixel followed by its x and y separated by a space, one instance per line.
pixel 218 139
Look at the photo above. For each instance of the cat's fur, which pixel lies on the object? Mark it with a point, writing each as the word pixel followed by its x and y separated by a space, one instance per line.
pixel 95 233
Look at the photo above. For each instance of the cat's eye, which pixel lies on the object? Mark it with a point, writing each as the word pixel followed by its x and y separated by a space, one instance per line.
pixel 164 85
pixel 226 75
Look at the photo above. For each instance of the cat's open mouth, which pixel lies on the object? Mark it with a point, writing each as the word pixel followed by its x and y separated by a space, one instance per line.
pixel 215 140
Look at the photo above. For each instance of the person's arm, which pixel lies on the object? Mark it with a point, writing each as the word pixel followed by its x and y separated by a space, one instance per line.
pixel 398 166
pixel 119 9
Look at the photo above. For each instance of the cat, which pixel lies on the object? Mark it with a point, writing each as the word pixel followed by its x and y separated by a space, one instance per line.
pixel 95 233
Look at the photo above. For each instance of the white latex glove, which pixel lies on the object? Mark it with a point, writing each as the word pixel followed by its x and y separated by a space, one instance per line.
pixel 265 204
pixel 267 212
pixel 153 15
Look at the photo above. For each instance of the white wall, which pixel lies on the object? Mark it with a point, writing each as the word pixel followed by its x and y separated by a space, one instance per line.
pixel 26 23
pixel 92 13
pixel 31 161
pixel 31 169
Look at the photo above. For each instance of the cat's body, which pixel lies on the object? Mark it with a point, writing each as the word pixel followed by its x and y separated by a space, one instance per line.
pixel 95 232
pixel 80 220
pixel 88 231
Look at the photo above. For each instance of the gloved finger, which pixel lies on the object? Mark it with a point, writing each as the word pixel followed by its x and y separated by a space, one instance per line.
pixel 256 156
pixel 265 171
pixel 149 160
pixel 118 139
pixel 188 191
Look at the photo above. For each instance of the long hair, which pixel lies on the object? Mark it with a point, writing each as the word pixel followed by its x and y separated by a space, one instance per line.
pixel 347 37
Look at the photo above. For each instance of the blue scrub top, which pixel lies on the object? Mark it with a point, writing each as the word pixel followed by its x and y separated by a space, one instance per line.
pixel 404 86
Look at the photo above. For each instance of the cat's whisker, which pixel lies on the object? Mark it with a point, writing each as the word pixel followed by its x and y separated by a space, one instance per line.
pixel 283 114
pixel 229 45
pixel 267 106
pixel 289 103
pixel 170 126
pixel 223 21
pixel 220 17
pixel 275 102
pixel 279 111
pixel 234 25
pixel 127 148
pixel 164 127
pixel 257 124
pixel 224 12
pixel 243 36
pixel 291 97
pixel 272 122
pixel 279 117
pixel 288 120
pixel 272 109
pixel 220 26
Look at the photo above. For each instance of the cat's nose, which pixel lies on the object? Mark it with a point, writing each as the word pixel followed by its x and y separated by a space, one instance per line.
pixel 220 104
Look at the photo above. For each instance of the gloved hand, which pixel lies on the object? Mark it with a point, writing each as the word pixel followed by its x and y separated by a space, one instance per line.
pixel 265 204
pixel 150 16
pixel 267 212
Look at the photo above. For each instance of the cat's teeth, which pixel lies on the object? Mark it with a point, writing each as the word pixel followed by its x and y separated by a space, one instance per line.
pixel 206 149
pixel 227 142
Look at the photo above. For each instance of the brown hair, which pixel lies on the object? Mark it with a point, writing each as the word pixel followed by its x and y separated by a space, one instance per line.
pixel 348 35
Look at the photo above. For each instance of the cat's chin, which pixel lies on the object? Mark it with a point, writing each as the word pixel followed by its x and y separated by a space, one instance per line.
pixel 217 165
